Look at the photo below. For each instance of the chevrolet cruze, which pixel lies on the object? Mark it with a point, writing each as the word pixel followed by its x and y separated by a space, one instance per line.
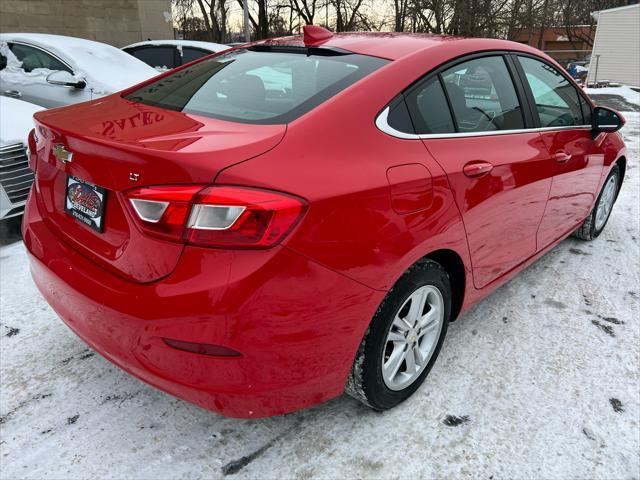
pixel 260 230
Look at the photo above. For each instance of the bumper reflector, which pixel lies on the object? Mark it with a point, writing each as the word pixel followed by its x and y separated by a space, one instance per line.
pixel 202 348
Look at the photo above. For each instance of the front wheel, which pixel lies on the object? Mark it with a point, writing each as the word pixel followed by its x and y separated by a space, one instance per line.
pixel 404 338
pixel 594 224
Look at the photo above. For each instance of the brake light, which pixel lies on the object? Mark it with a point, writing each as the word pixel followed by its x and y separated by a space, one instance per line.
pixel 218 216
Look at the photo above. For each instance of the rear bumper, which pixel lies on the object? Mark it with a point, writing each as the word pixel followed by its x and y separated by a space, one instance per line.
pixel 296 323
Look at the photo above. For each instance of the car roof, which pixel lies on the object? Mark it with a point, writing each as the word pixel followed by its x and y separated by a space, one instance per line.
pixel 209 46
pixel 394 45
pixel 46 40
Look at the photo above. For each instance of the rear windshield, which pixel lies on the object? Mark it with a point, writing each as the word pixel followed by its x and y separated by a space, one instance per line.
pixel 263 87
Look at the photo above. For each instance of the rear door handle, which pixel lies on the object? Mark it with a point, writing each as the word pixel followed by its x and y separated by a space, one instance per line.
pixel 562 157
pixel 477 168
pixel 12 93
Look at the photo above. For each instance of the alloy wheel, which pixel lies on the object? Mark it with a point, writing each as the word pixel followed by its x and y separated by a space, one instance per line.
pixel 605 204
pixel 413 337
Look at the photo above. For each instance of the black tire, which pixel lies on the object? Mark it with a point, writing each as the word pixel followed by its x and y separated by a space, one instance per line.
pixel 10 230
pixel 588 231
pixel 365 382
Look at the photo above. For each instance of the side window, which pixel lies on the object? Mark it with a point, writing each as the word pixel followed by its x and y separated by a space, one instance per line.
pixel 482 96
pixel 557 101
pixel 190 54
pixel 428 108
pixel 33 58
pixel 586 110
pixel 157 57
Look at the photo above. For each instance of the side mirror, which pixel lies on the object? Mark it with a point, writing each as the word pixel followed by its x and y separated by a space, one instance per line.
pixel 606 120
pixel 64 78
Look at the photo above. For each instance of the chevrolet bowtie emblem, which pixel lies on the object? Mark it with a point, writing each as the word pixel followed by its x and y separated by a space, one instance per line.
pixel 62 154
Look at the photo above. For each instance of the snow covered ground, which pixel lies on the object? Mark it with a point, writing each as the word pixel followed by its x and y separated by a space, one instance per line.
pixel 630 95
pixel 540 380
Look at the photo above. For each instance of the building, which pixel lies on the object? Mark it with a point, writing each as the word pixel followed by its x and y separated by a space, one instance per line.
pixel 117 22
pixel 563 44
pixel 616 48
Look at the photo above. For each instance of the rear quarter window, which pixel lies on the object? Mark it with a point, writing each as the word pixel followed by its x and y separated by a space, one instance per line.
pixel 266 87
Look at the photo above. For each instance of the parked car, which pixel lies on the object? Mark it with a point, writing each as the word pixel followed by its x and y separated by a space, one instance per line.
pixel 53 70
pixel 167 54
pixel 579 71
pixel 258 250
pixel 16 120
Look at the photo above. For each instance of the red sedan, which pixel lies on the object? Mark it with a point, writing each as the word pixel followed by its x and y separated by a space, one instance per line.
pixel 259 230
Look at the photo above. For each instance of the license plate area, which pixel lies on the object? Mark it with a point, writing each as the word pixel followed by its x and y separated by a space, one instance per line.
pixel 85 202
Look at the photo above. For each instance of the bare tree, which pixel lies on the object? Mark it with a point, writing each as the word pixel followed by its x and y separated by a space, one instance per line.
pixel 347 12
pixel 306 9
pixel 214 14
pixel 575 16
pixel 544 22
pixel 514 14
pixel 252 20
pixel 263 20
pixel 400 14
pixel 479 18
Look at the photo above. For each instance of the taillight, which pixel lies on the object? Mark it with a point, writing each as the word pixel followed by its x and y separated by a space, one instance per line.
pixel 163 211
pixel 218 216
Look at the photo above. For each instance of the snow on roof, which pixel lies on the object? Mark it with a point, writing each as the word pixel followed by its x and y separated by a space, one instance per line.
pixel 106 68
pixel 16 120
pixel 210 46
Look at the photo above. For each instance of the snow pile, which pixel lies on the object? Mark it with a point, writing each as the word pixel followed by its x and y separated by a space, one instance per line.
pixel 106 68
pixel 16 120
pixel 629 94
pixel 12 60
pixel 13 71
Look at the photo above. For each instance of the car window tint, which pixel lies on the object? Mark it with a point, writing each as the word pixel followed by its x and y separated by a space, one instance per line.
pixel 190 54
pixel 398 117
pixel 557 101
pixel 257 86
pixel 429 109
pixel 482 96
pixel 586 110
pixel 33 58
pixel 157 57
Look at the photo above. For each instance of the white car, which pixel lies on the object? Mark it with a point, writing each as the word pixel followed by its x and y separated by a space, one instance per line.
pixel 53 70
pixel 167 54
pixel 16 121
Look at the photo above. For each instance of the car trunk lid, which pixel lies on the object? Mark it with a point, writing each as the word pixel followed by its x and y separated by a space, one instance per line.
pixel 117 144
